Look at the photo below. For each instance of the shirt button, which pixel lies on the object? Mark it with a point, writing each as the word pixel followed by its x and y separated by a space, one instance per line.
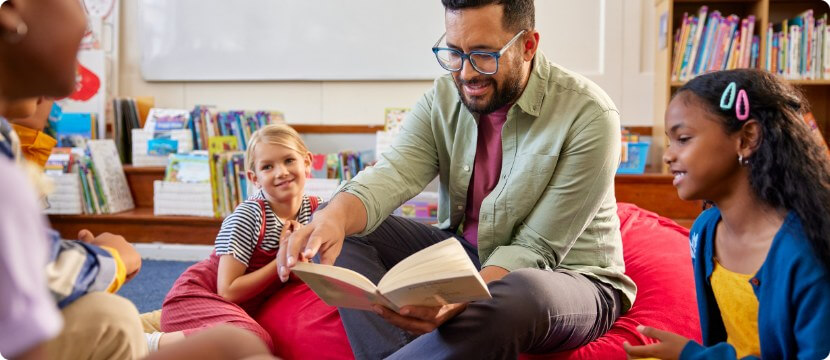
pixel 460 207
pixel 466 167
pixel 755 281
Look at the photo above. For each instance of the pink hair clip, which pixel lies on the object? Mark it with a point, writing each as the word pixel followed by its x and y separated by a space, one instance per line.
pixel 742 100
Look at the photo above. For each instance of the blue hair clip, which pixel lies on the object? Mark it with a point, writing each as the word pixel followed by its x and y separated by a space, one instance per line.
pixel 729 92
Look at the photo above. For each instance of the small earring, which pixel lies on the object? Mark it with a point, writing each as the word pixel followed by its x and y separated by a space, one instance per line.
pixel 19 33
pixel 742 161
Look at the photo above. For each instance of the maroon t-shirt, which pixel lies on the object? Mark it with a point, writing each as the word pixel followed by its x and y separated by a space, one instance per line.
pixel 486 169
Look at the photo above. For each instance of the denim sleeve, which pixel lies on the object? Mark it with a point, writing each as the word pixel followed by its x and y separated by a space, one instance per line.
pixel 77 268
pixel 695 351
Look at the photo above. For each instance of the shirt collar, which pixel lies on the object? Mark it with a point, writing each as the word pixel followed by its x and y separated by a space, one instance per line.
pixel 534 93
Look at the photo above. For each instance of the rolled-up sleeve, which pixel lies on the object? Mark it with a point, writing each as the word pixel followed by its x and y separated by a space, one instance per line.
pixel 402 171
pixel 583 176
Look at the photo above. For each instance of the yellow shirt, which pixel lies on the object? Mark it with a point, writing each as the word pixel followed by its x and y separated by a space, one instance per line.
pixel 35 145
pixel 738 309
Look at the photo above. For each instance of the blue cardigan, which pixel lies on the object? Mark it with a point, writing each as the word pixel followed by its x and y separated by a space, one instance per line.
pixel 793 291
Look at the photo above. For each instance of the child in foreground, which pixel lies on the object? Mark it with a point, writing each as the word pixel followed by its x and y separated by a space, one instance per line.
pixel 761 253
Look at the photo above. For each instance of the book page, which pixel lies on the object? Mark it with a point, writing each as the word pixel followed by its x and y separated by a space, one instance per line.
pixel 440 292
pixel 429 264
pixel 339 286
pixel 437 275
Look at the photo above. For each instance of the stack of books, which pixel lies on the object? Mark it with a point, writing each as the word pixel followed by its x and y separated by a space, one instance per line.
pixel 342 166
pixel 228 176
pixel 88 180
pixel 710 42
pixel 799 48
pixel 207 122
pixel 186 188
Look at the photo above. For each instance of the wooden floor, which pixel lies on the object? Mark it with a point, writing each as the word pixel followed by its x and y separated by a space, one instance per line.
pixel 651 191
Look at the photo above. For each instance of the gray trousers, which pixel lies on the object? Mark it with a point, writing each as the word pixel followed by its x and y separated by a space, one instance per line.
pixel 532 310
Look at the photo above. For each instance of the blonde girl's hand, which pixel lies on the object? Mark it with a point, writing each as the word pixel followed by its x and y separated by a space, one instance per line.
pixel 288 228
pixel 669 347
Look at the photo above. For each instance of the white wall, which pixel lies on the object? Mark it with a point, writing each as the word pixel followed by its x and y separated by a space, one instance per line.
pixel 622 63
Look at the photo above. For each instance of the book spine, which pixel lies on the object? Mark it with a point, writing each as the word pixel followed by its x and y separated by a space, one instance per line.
pixel 99 191
pixel 750 37
pixel 714 45
pixel 742 45
pixel 680 47
pixel 769 50
pixel 689 44
pixel 756 43
pixel 826 39
pixel 711 28
pixel 696 41
pixel 727 43
pixel 87 199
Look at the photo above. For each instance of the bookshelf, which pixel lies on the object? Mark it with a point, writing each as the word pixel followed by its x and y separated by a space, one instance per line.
pixel 766 12
pixel 652 192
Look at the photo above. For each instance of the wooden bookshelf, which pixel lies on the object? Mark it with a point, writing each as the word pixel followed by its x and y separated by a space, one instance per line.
pixel 653 192
pixel 817 92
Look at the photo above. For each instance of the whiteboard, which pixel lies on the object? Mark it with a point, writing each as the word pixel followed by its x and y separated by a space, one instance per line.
pixel 289 39
pixel 232 40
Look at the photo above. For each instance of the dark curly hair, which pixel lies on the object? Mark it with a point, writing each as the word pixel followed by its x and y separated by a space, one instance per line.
pixel 518 14
pixel 790 169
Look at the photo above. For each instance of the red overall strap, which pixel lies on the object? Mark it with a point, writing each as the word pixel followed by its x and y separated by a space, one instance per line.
pixel 314 201
pixel 262 227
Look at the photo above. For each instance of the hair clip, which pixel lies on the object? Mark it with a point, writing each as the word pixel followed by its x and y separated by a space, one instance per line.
pixel 742 99
pixel 727 100
pixel 730 92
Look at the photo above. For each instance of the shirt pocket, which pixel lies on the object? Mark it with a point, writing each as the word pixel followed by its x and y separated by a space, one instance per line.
pixel 528 181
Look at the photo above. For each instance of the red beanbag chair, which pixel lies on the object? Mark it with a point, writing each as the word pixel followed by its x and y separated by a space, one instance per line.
pixel 658 259
pixel 302 326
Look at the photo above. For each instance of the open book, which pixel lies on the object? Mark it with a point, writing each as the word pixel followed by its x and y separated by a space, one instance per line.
pixel 438 275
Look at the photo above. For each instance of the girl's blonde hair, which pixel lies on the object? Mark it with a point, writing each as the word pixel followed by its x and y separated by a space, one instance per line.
pixel 274 134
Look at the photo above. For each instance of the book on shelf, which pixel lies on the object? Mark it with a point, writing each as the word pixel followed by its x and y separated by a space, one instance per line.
pixel 186 188
pixel 74 129
pixel 151 147
pixel 88 180
pixel 111 180
pixel 181 198
pixel 799 48
pixel 207 122
pixel 440 274
pixel 126 117
pixel 810 120
pixel 66 197
pixel 711 41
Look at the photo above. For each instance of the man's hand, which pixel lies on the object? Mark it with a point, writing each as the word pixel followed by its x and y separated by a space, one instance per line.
pixel 669 347
pixel 420 319
pixel 288 228
pixel 130 257
pixel 493 273
pixel 321 234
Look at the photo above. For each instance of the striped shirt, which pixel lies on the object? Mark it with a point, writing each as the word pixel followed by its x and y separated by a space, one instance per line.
pixel 240 230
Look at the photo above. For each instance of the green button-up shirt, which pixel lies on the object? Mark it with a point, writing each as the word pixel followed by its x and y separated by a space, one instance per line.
pixel 553 206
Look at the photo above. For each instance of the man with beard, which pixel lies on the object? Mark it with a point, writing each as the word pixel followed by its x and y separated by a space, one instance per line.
pixel 526 153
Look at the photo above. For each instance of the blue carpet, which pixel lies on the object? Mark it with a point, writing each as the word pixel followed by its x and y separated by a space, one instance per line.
pixel 148 289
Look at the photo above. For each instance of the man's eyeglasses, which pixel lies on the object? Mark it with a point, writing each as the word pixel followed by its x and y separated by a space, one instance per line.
pixel 485 62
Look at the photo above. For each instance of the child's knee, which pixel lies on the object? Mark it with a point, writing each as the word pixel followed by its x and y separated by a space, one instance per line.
pixel 109 321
